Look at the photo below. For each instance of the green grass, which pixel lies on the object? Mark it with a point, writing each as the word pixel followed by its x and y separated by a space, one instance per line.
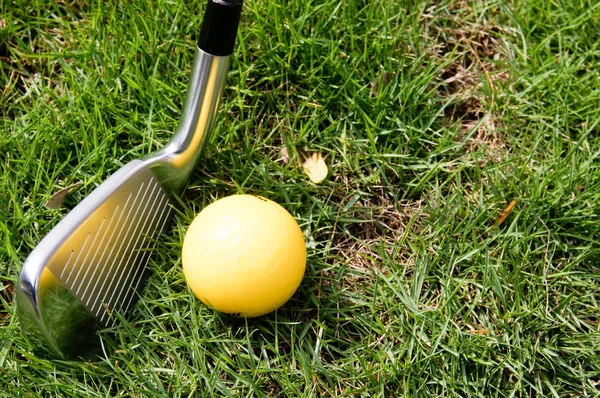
pixel 410 290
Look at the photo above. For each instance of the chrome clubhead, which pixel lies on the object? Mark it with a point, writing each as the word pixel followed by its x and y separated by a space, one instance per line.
pixel 93 264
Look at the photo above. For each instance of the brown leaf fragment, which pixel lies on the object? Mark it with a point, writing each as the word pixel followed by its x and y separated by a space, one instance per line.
pixel 505 213
pixel 284 155
pixel 382 82
pixel 58 198
pixel 315 168
pixel 6 292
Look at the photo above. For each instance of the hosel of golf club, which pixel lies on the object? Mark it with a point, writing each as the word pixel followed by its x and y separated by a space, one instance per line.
pixel 177 160
pixel 179 157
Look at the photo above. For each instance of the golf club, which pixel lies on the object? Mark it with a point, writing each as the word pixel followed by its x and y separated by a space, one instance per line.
pixel 93 264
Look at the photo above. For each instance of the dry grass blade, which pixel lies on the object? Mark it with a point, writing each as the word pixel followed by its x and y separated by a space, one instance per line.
pixel 505 213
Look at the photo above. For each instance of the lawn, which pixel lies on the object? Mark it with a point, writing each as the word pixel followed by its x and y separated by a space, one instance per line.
pixel 453 249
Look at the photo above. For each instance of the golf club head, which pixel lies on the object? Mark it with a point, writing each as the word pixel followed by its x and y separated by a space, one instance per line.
pixel 93 264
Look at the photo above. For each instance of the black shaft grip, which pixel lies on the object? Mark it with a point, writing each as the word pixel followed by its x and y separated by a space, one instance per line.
pixel 219 27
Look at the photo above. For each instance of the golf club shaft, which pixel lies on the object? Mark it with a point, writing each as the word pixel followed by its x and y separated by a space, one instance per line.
pixel 209 73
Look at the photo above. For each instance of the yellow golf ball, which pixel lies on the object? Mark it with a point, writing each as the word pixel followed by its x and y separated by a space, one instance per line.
pixel 244 255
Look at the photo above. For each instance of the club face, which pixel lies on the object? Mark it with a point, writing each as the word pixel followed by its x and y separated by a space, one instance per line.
pixel 92 265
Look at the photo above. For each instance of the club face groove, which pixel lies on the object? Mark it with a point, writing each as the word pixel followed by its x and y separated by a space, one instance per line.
pixel 132 235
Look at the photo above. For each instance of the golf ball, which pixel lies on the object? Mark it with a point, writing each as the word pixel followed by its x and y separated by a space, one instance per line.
pixel 244 255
